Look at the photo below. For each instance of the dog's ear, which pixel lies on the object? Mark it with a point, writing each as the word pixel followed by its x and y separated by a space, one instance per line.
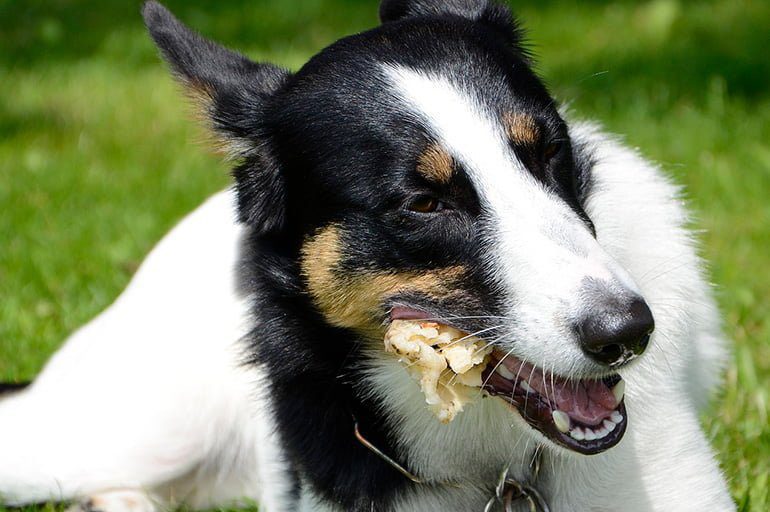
pixel 496 16
pixel 231 92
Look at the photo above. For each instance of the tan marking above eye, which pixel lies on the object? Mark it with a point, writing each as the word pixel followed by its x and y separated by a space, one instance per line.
pixel 353 299
pixel 521 128
pixel 436 164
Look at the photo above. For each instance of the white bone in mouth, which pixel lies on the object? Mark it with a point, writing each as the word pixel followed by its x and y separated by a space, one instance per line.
pixel 447 362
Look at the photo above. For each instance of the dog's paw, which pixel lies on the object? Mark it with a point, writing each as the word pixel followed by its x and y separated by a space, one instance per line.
pixel 128 500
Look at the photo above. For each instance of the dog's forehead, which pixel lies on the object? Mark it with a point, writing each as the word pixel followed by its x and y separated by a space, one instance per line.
pixel 351 81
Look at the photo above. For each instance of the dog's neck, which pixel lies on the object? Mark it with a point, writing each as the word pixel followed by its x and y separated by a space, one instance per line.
pixel 324 379
pixel 312 381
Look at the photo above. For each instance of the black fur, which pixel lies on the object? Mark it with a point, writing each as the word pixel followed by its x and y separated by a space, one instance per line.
pixel 6 388
pixel 491 14
pixel 330 144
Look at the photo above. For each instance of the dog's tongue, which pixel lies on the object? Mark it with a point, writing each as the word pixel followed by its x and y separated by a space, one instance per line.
pixel 587 401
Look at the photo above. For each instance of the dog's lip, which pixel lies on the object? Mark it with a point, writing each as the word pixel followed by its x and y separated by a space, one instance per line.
pixel 407 313
pixel 540 408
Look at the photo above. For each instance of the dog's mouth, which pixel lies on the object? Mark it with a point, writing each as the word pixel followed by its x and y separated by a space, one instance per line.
pixel 586 415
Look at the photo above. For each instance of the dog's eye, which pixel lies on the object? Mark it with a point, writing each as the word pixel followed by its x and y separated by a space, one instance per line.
pixel 551 150
pixel 424 204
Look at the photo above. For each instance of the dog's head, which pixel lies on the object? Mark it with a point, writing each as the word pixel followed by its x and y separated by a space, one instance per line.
pixel 422 170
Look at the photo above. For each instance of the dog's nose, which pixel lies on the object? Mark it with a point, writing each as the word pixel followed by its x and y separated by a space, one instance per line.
pixel 613 336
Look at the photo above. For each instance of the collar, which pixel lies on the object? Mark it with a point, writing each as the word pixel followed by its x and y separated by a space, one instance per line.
pixel 508 491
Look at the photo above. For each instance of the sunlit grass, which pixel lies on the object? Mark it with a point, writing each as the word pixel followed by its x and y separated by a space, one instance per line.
pixel 98 154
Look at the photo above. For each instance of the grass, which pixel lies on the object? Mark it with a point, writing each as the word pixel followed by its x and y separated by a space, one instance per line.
pixel 98 155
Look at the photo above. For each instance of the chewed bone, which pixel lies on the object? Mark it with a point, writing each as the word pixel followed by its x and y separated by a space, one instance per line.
pixel 446 362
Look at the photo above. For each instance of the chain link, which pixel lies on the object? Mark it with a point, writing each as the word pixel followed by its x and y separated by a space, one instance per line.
pixel 507 490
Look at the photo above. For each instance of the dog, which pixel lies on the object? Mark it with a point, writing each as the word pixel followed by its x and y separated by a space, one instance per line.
pixel 417 171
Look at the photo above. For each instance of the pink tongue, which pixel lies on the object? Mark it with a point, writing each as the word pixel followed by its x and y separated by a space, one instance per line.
pixel 589 402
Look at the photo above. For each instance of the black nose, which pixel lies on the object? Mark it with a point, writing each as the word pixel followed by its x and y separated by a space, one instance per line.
pixel 615 335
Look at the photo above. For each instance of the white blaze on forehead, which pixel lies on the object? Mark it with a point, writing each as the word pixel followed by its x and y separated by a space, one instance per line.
pixel 517 203
pixel 472 134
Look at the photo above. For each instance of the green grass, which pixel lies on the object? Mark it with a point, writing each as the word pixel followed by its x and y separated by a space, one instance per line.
pixel 98 155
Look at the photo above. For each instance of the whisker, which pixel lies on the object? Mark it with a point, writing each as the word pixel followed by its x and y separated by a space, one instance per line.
pixel 458 340
pixel 664 272
pixel 545 380
pixel 495 369
pixel 456 317
pixel 593 75
pixel 553 387
pixel 669 343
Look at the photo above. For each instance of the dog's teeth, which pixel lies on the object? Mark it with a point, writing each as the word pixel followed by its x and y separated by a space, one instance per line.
pixel 619 390
pixel 524 384
pixel 561 420
pixel 505 372
pixel 610 426
pixel 589 434
pixel 577 434
pixel 601 433
pixel 616 417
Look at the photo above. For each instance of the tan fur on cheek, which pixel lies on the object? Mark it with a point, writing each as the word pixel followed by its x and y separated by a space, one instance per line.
pixel 436 164
pixel 521 129
pixel 319 259
pixel 355 300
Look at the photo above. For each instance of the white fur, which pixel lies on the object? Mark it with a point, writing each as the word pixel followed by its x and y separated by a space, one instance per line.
pixel 150 398
pixel 151 394
pixel 664 461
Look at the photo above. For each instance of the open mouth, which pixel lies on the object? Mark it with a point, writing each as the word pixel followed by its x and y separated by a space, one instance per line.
pixel 587 415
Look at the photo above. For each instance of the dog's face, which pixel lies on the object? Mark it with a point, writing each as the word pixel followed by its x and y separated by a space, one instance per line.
pixel 421 170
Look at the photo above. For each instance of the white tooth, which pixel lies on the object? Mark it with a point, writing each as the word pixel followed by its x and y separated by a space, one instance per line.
pixel 561 420
pixel 577 433
pixel 616 417
pixel 505 372
pixel 610 426
pixel 619 390
pixel 601 433
pixel 590 435
pixel 524 384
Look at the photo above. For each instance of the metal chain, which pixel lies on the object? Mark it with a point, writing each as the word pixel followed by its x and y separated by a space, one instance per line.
pixel 507 491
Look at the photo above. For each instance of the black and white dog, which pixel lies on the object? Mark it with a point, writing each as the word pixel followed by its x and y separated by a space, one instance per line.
pixel 417 170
